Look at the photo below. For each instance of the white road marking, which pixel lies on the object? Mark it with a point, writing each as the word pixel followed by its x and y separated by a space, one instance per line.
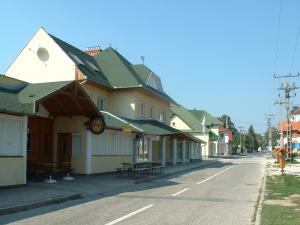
pixel 179 192
pixel 207 179
pixel 129 215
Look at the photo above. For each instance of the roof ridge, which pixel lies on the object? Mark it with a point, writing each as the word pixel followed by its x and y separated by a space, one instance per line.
pixel 128 65
pixel 195 124
pixel 91 74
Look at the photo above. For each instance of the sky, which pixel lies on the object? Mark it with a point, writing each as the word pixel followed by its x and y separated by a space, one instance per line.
pixel 214 55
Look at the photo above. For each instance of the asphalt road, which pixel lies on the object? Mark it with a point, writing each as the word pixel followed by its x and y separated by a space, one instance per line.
pixel 223 193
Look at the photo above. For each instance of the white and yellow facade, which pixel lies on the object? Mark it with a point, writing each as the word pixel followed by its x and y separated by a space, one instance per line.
pixel 47 59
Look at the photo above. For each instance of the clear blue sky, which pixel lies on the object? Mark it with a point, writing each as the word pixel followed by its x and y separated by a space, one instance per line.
pixel 213 55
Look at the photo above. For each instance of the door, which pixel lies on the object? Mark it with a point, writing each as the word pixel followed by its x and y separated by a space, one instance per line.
pixel 64 150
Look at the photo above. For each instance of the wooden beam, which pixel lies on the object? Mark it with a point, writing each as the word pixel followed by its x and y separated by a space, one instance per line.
pixel 71 95
pixel 61 107
pixel 79 106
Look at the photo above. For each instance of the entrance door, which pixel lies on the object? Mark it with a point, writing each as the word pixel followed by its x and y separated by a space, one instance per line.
pixel 64 150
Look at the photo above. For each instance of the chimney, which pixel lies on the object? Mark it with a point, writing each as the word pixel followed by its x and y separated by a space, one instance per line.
pixel 93 50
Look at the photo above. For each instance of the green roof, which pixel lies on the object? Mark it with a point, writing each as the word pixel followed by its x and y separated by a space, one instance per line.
pixel 113 69
pixel 9 103
pixel 35 92
pixel 10 84
pixel 19 97
pixel 209 119
pixel 155 127
pixel 86 59
pixel 117 69
pixel 143 71
pixel 186 116
pixel 115 122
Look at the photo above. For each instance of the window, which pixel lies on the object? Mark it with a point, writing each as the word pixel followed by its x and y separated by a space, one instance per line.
pixel 151 113
pixel 100 103
pixel 92 66
pixel 142 109
pixel 154 82
pixel 76 144
pixel 162 116
pixel 75 58
pixel 173 124
pixel 142 149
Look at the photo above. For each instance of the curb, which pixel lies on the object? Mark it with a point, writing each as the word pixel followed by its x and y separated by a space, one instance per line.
pixel 38 204
pixel 256 217
pixel 148 179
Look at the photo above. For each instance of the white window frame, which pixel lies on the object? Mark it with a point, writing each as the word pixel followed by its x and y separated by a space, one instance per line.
pixel 142 109
pixel 162 116
pixel 151 112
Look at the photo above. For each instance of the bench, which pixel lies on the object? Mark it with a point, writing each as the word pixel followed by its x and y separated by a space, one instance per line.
pixel 126 168
pixel 157 170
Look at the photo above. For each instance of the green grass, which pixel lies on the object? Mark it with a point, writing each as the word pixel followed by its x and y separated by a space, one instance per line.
pixel 282 186
pixel 279 187
pixel 279 215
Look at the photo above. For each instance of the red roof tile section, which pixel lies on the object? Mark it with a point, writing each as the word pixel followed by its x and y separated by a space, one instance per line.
pixel 295 125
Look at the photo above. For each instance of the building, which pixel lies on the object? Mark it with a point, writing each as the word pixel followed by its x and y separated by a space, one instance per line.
pixel 43 126
pixel 295 114
pixel 130 96
pixel 201 125
pixel 225 138
pixel 295 127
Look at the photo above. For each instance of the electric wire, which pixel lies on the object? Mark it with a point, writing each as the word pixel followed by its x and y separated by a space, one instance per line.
pixel 294 50
pixel 277 37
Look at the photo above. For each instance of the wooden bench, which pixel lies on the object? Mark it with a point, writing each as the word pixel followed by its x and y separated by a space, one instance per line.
pixel 126 168
pixel 157 170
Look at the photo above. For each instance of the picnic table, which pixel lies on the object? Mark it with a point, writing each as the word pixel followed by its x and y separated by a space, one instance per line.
pixel 141 169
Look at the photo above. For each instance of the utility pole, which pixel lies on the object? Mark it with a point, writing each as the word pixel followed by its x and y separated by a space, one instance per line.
pixel 280 103
pixel 287 88
pixel 241 129
pixel 269 117
pixel 226 136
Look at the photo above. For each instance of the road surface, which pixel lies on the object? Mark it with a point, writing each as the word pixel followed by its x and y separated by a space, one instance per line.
pixel 222 193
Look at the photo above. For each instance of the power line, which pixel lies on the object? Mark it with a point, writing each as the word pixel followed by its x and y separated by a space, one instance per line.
pixel 294 51
pixel 277 39
pixel 248 122
pixel 287 88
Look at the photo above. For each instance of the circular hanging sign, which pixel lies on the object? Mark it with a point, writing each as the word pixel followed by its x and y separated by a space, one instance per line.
pixel 97 125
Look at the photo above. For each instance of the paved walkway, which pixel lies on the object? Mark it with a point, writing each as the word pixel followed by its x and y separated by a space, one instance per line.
pixel 34 194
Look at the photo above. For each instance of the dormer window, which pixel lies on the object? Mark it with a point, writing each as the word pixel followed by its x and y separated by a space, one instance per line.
pixel 154 82
pixel 75 58
pixel 92 66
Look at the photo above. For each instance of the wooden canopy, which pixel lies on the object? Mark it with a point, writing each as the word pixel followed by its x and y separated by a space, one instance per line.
pixel 71 100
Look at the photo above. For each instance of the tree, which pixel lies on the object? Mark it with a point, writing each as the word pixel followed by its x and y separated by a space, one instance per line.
pixel 231 126
pixel 275 137
pixel 251 142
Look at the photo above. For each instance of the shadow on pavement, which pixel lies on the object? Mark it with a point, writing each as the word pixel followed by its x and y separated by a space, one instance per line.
pixel 96 187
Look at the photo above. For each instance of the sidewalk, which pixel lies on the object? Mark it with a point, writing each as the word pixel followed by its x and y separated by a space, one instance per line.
pixel 38 194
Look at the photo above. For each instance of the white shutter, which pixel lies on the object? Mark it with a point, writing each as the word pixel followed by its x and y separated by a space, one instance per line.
pixel 12 137
pixel 112 143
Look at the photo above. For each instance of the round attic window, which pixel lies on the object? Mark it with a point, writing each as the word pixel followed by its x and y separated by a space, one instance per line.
pixel 43 54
